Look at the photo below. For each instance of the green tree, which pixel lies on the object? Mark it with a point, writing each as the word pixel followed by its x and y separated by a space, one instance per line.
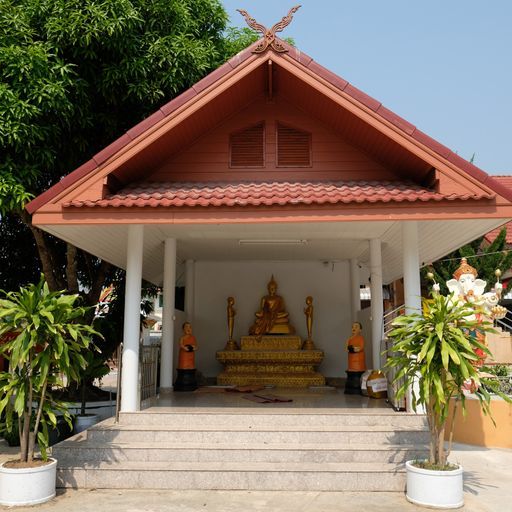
pixel 44 351
pixel 437 350
pixel 485 257
pixel 74 75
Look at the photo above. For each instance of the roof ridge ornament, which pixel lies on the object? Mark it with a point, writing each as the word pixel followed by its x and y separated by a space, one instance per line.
pixel 269 35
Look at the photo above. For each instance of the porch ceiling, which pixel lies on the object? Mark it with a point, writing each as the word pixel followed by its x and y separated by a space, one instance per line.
pixel 326 241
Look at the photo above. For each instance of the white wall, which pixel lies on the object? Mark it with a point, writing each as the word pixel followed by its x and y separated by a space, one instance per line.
pixel 246 281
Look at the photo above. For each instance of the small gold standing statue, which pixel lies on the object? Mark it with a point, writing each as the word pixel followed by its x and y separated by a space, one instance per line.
pixel 231 312
pixel 308 311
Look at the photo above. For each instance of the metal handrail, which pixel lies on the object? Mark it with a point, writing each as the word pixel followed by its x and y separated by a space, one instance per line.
pixel 388 318
pixel 150 358
pixel 394 311
pixel 505 323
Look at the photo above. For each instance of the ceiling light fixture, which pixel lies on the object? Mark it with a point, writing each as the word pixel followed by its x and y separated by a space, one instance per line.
pixel 272 242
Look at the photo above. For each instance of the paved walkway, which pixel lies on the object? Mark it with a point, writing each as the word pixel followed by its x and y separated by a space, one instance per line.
pixel 487 486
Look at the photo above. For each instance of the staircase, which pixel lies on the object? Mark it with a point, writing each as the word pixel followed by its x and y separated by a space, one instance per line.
pixel 229 448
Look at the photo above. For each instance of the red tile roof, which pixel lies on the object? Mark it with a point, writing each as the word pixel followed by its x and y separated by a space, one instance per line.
pixel 173 194
pixel 506 181
pixel 492 235
pixel 302 59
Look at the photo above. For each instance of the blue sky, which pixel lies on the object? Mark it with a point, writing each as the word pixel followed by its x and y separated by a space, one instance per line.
pixel 444 65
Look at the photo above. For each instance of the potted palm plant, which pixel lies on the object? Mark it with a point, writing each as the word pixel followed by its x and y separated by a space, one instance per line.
pixel 45 352
pixel 434 356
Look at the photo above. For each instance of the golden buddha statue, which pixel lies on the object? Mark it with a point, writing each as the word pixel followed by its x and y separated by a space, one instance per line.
pixel 272 317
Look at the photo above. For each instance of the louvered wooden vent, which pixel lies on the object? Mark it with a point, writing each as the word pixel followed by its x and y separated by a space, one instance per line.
pixel 293 147
pixel 247 147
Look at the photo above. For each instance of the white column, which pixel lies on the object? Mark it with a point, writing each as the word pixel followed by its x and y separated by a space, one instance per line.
pixel 355 291
pixel 130 377
pixel 411 263
pixel 189 290
pixel 167 346
pixel 377 308
pixel 412 287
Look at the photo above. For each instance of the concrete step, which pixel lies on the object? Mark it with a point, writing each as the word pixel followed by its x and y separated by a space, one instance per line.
pixel 83 452
pixel 254 418
pixel 236 476
pixel 275 449
pixel 107 433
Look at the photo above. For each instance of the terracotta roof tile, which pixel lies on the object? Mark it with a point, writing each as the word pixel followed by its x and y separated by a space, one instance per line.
pixel 331 77
pixel 178 101
pixel 492 235
pixel 152 194
pixel 428 141
pixel 112 149
pixel 398 121
pixel 362 97
pixel 504 181
pixel 145 124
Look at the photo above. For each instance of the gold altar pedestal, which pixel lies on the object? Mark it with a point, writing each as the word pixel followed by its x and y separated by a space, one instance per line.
pixel 270 359
pixel 270 342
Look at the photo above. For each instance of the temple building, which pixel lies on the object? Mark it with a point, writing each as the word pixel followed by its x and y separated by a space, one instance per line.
pixel 270 166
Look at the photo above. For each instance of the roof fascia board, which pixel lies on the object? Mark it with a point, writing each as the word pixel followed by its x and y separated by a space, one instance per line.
pixel 420 212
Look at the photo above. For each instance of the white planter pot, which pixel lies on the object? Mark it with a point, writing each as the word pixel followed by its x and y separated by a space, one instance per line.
pixel 437 489
pixel 27 486
pixel 84 422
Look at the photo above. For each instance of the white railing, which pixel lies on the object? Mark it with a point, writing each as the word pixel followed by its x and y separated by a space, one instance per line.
pixel 389 317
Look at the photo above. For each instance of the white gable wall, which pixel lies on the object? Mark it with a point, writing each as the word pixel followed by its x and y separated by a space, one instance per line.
pixel 246 281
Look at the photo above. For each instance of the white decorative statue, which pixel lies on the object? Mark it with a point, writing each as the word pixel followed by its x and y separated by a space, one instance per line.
pixel 467 288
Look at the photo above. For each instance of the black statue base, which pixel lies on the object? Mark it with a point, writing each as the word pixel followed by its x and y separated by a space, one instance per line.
pixel 353 383
pixel 185 381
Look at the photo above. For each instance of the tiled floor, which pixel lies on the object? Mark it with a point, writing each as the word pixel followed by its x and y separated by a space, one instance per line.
pixel 318 399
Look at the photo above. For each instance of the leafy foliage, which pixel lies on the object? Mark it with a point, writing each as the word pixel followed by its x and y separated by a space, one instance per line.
pixel 437 349
pixel 19 264
pixel 74 75
pixel 489 258
pixel 45 351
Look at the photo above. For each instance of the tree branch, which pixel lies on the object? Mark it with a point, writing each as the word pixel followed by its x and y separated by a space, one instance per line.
pixel 71 274
pixel 43 251
pixel 98 283
pixel 33 434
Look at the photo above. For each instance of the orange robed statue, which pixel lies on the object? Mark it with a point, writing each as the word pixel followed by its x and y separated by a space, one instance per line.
pixel 186 378
pixel 355 348
pixel 188 347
